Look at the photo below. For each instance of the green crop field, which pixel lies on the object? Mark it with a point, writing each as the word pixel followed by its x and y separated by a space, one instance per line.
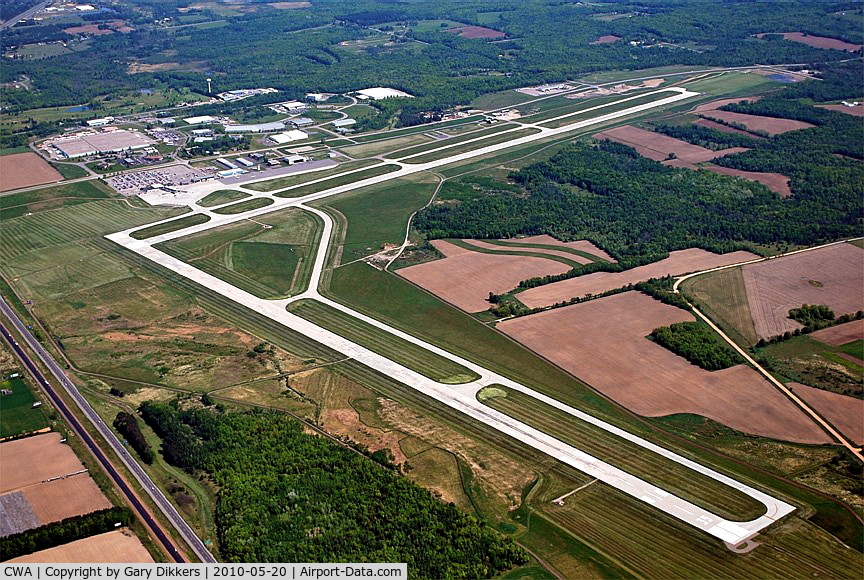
pixel 382 342
pixel 245 206
pixel 171 226
pixel 289 180
pixel 17 414
pixel 221 196
pixel 408 152
pixel 270 262
pixel 378 214
pixel 55 196
pixel 338 180
pixel 69 171
pixel 655 469
pixel 465 147
pixel 723 296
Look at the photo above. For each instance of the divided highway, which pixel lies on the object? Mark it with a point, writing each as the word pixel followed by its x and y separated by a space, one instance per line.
pixel 160 500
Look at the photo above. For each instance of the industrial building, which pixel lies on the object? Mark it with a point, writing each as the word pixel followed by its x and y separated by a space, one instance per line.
pixel 259 128
pixel 226 163
pixel 378 93
pixel 343 123
pixel 203 119
pixel 244 162
pixel 302 122
pixel 230 173
pixel 100 122
pixel 85 144
pixel 288 136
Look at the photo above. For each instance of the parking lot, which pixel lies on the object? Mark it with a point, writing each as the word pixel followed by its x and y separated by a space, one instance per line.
pixel 173 175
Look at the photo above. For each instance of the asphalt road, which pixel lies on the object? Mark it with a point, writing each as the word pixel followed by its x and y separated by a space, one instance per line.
pixel 146 483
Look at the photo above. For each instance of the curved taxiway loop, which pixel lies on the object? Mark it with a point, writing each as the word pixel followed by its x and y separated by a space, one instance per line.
pixel 462 397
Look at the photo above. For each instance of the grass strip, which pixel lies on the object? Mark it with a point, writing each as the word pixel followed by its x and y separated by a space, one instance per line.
pixel 243 206
pixel 289 180
pixel 338 180
pixel 172 226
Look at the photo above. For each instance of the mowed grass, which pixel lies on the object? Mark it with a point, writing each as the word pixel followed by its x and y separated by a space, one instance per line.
pixel 416 150
pixel 19 204
pixel 613 107
pixel 245 206
pixel 338 181
pixel 378 214
pixel 723 296
pixel 170 226
pixel 270 262
pixel 17 414
pixel 472 146
pixel 630 457
pixel 382 342
pixel 417 129
pixel 221 196
pixel 384 145
pixel 289 180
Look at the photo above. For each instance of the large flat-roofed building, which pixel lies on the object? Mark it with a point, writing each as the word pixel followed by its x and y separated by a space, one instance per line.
pixel 259 128
pixel 203 119
pixel 302 122
pixel 96 143
pixel 288 136
pixel 100 122
pixel 342 123
pixel 378 93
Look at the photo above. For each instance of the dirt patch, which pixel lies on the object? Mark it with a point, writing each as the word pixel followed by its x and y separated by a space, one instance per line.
pixel 119 546
pixel 465 278
pixel 476 32
pixel 857 110
pixel 347 423
pixel 776 182
pixel 678 262
pixel 603 342
pixel 816 41
pixel 660 147
pixel 90 29
pixel 24 170
pixel 714 105
pixel 547 240
pixel 724 128
pixel 289 5
pixel 845 413
pixel 769 125
pixel 19 470
pixel 63 498
pixel 606 39
pixel 840 334
pixel 776 286
pixel 486 245
pixel 144 67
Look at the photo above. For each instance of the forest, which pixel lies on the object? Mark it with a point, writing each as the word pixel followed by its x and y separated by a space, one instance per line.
pixel 127 425
pixel 696 343
pixel 286 496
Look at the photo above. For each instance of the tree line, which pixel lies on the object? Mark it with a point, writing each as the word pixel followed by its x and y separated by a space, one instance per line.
pixel 697 343
pixel 127 425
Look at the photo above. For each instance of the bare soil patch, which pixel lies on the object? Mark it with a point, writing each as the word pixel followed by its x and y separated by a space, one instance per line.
pixel 714 105
pixel 678 262
pixel 816 41
pixel 603 343
pixel 659 147
pixel 24 170
pixel 144 67
pixel 119 546
pixel 20 470
pixel 289 5
pixel 63 498
pixel 833 276
pixel 776 182
pixel 91 29
pixel 844 412
pixel 547 240
pixel 770 125
pixel 606 39
pixel 559 253
pixel 465 278
pixel 840 334
pixel 476 32
pixel 857 110
pixel 724 128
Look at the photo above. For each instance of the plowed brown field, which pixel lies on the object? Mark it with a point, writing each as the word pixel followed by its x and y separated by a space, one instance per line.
pixel 774 181
pixel 603 343
pixel 465 278
pixel 19 468
pixel 117 547
pixel 545 239
pixel 723 128
pixel 24 170
pixel 841 334
pixel 845 413
pixel 63 498
pixel 857 110
pixel 679 262
pixel 560 253
pixel 658 147
pixel 770 125
pixel 817 41
pixel 833 276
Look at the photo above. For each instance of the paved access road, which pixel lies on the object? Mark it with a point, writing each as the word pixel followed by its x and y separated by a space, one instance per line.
pixel 143 479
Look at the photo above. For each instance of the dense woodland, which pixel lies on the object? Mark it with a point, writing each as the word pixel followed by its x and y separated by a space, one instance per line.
pixel 301 50
pixel 286 496
pixel 697 343
pixel 127 425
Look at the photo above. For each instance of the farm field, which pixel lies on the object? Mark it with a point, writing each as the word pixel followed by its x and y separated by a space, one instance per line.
pixel 857 110
pixel 661 147
pixel 17 414
pixel 25 170
pixel 845 413
pixel 222 196
pixel 801 359
pixel 171 226
pixel 832 276
pixel 818 41
pixel 290 180
pixel 701 122
pixel 776 182
pixel 655 469
pixel 73 495
pixel 840 334
pixel 769 125
pixel 679 262
pixel 723 296
pixel 465 277
pixel 476 32
pixel 603 342
pixel 118 546
pixel 545 241
pixel 557 255
pixel 19 470
pixel 272 262
pixel 382 342
pixel 245 206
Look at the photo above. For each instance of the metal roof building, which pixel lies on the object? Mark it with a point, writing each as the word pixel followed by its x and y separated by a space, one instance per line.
pixel 259 128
